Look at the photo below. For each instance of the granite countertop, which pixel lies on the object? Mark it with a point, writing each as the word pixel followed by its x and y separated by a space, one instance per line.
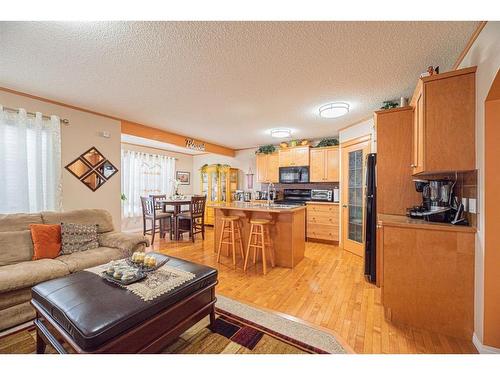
pixel 405 221
pixel 260 207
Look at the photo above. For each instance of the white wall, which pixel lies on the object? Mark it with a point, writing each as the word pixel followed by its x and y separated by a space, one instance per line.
pixel 79 136
pixel 243 160
pixel 485 54
pixel 366 127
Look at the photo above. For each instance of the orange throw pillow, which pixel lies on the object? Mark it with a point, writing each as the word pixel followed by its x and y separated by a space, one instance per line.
pixel 46 240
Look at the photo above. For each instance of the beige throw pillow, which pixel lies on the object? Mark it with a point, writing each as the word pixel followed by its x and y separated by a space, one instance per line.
pixel 15 247
pixel 78 237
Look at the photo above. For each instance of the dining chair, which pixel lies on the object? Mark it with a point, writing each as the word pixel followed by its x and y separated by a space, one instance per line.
pixel 150 213
pixel 194 218
pixel 159 206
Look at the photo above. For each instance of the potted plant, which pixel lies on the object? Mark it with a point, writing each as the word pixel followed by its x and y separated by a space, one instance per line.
pixel 268 149
pixel 388 104
pixel 326 142
pixel 203 168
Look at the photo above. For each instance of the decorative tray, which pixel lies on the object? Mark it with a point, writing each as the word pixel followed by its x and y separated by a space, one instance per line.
pixel 161 259
pixel 139 276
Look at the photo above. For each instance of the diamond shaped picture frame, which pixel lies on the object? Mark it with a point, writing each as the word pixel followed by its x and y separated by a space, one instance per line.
pixel 92 168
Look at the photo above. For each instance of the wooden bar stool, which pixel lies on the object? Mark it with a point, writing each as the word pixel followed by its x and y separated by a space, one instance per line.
pixel 260 238
pixel 228 237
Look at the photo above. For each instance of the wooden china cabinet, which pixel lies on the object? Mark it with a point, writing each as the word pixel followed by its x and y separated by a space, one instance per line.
pixel 218 184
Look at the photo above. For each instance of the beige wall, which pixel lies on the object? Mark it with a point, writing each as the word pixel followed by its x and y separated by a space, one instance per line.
pixel 485 53
pixel 183 162
pixel 80 135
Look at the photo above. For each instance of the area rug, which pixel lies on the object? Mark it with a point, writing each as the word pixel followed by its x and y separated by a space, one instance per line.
pixel 238 329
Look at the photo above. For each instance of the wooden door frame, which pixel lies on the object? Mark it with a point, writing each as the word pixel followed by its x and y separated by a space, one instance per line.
pixel 362 142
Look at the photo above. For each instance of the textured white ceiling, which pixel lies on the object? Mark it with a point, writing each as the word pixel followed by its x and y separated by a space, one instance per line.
pixel 226 82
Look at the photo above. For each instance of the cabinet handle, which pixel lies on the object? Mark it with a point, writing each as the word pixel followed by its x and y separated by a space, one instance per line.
pixel 413 165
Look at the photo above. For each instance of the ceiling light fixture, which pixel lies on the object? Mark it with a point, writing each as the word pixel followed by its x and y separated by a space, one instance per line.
pixel 281 133
pixel 333 110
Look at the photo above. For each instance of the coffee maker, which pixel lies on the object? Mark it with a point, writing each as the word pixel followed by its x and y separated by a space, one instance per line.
pixel 438 201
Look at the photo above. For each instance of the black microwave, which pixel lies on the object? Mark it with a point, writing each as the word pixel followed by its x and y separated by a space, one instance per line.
pixel 294 175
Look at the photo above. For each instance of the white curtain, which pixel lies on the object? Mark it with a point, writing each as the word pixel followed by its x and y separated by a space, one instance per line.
pixel 30 162
pixel 142 175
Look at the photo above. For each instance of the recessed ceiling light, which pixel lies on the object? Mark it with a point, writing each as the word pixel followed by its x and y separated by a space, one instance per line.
pixel 281 132
pixel 333 110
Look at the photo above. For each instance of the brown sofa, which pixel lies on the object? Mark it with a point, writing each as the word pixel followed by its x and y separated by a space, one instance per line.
pixel 18 273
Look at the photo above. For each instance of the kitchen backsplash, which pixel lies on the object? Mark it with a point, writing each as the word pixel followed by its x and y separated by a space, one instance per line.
pixel 313 185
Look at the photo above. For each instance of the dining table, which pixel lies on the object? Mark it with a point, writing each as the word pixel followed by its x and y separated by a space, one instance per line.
pixel 177 203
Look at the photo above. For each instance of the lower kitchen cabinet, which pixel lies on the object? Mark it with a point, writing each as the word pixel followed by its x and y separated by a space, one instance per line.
pixel 426 274
pixel 323 222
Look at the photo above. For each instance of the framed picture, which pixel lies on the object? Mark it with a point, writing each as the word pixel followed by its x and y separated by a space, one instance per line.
pixel 183 177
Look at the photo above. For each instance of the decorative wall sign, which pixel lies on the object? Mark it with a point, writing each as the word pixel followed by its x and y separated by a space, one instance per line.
pixel 195 145
pixel 92 168
pixel 183 177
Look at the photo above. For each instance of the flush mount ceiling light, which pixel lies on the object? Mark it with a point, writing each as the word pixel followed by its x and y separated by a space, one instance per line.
pixel 281 133
pixel 333 110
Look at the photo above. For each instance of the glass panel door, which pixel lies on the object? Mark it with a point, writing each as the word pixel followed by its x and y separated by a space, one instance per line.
pixel 223 185
pixel 355 196
pixel 204 184
pixel 213 186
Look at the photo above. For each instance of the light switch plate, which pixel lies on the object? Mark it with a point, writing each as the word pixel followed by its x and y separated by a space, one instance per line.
pixel 472 206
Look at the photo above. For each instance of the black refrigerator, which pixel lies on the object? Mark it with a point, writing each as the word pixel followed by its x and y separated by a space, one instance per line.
pixel 371 219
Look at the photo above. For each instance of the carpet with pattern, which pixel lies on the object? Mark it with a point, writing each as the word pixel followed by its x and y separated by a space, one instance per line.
pixel 238 329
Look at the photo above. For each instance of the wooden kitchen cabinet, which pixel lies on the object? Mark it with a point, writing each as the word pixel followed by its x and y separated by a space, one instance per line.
pixel 267 167
pixel 395 187
pixel 323 222
pixel 444 122
pixel 273 167
pixel 417 164
pixel 324 164
pixel 426 272
pixel 294 156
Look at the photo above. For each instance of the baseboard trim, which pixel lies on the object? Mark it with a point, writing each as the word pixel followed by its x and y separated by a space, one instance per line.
pixel 483 349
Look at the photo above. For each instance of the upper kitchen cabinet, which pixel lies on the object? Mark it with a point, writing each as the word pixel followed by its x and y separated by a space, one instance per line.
pixel 294 156
pixel 395 188
pixel 444 123
pixel 324 164
pixel 268 167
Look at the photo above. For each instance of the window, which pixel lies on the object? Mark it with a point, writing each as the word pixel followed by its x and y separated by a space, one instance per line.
pixel 30 162
pixel 144 174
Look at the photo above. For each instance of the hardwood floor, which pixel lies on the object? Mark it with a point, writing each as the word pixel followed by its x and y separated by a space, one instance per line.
pixel 327 288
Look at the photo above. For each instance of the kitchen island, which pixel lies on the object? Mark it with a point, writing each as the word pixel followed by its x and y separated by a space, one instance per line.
pixel 287 227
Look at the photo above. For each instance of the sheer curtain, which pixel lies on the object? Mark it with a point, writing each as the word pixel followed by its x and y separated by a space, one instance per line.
pixel 30 162
pixel 144 174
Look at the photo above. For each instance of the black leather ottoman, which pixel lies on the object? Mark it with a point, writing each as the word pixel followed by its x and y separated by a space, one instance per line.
pixel 91 315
